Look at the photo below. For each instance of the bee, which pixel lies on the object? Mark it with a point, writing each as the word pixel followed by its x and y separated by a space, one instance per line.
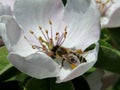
pixel 52 46
pixel 73 57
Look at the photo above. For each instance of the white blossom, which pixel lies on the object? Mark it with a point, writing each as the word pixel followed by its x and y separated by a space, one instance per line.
pixel 110 12
pixel 44 35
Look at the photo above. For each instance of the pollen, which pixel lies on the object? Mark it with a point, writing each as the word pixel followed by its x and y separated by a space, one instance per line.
pixel 31 32
pixel 33 46
pixel 40 27
pixel 72 66
pixel 50 22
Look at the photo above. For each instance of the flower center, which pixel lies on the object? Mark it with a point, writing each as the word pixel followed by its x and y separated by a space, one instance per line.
pixel 104 5
pixel 52 46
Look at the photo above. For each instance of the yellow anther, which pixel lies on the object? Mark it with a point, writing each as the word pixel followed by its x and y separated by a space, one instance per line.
pixel 33 46
pixel 98 1
pixel 57 34
pixel 40 27
pixel 50 22
pixel 31 32
pixel 65 33
pixel 51 40
pixel 40 39
pixel 46 31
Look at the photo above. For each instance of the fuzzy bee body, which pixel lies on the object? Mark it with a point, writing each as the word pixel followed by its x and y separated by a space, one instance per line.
pixel 66 54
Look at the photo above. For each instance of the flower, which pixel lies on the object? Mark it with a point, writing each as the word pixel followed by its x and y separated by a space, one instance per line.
pixel 110 12
pixel 6 7
pixel 47 39
pixel 9 3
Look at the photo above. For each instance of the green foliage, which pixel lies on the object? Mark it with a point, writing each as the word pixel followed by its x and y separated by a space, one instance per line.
pixel 117 85
pixel 10 85
pixel 91 47
pixel 6 69
pixel 47 84
pixel 115 37
pixel 3 58
pixel 109 59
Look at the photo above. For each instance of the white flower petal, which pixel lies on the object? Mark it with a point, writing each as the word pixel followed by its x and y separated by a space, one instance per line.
pixel 3 35
pixel 75 9
pixel 31 14
pixel 13 37
pixel 91 58
pixel 84 32
pixel 5 10
pixel 8 2
pixel 111 18
pixel 37 65
pixel 11 31
pixel 23 56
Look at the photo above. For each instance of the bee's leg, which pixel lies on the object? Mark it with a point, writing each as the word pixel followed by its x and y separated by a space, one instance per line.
pixel 82 59
pixel 62 63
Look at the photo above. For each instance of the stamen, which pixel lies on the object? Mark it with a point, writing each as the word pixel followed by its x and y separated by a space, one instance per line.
pixel 31 32
pixel 65 33
pixel 27 40
pixel 62 38
pixel 40 39
pixel 57 34
pixel 33 46
pixel 46 39
pixel 40 28
pixel 47 35
pixel 51 44
pixel 103 6
pixel 50 22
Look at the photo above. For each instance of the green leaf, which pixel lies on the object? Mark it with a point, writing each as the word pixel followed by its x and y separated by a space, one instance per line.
pixel 105 36
pixel 80 83
pixel 91 47
pixel 105 43
pixel 117 85
pixel 109 59
pixel 35 84
pixel 61 86
pixel 8 72
pixel 115 36
pixel 21 78
pixel 10 85
pixel 6 69
pixel 47 84
pixel 3 58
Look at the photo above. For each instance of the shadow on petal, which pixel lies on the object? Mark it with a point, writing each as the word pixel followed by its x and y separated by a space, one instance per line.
pixel 37 65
